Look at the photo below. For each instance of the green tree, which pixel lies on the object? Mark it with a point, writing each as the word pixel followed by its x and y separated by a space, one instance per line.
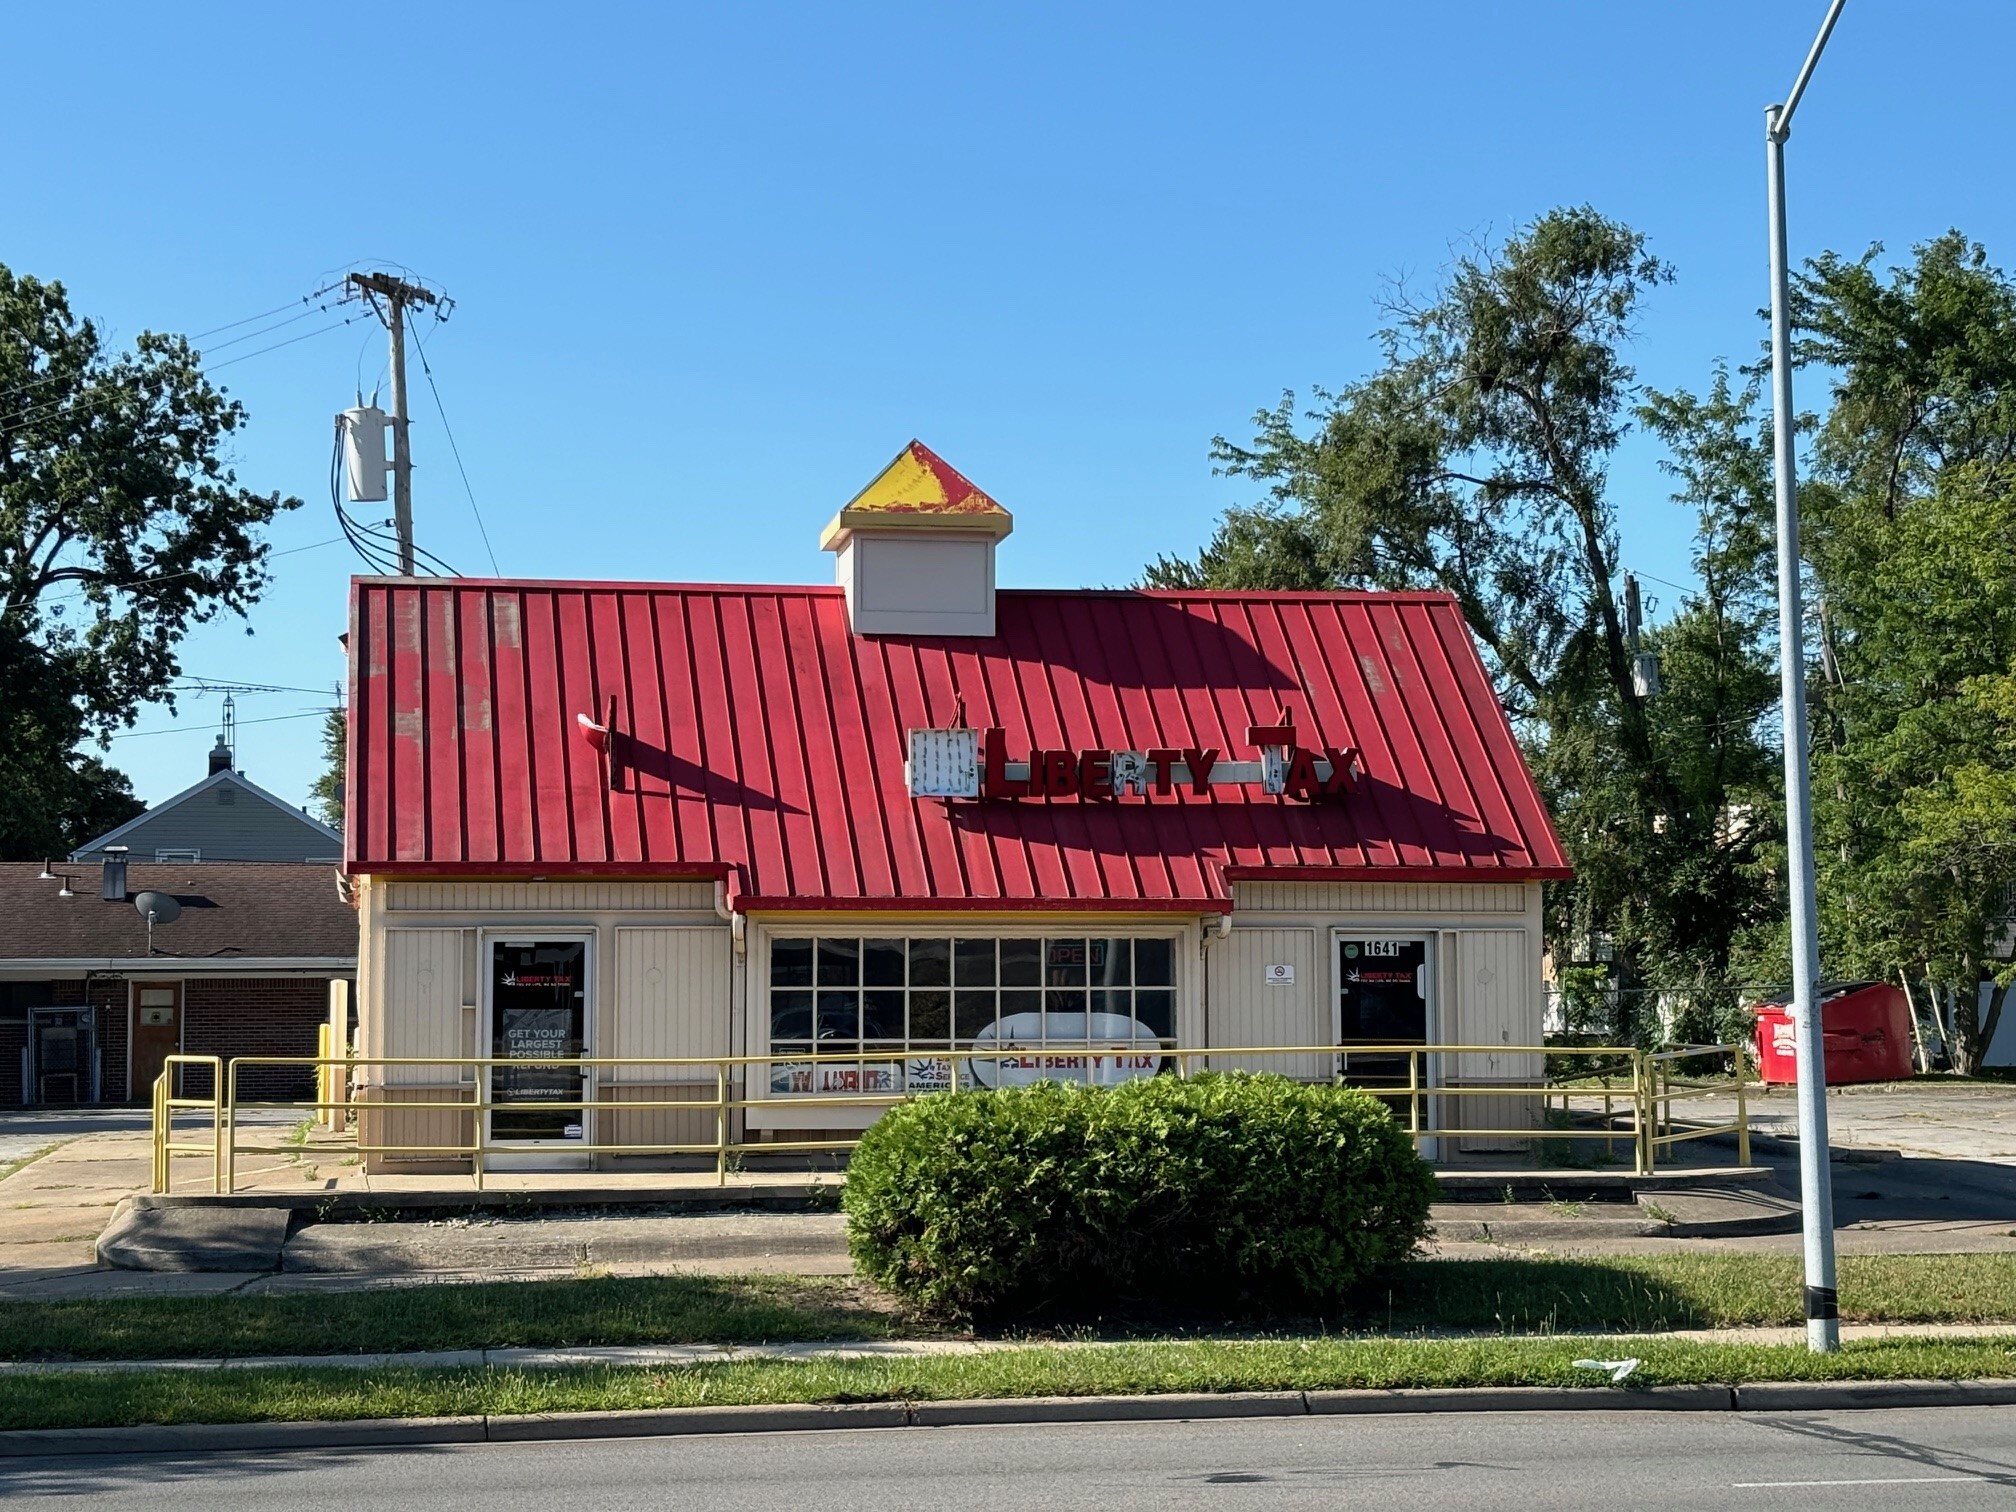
pixel 327 791
pixel 1475 460
pixel 49 806
pixel 1912 541
pixel 121 527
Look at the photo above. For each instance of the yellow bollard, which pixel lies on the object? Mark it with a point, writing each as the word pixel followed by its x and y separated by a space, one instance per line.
pixel 720 1124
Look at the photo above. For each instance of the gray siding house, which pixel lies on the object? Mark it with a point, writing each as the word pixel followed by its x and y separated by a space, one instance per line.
pixel 225 817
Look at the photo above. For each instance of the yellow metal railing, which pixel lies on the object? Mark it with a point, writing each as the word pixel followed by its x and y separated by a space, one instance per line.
pixel 1661 1069
pixel 169 1100
pixel 1617 1096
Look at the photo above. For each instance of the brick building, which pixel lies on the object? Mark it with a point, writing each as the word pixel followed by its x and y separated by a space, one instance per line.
pixel 89 1005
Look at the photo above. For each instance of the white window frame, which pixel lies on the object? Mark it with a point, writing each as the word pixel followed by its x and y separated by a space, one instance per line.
pixel 779 1110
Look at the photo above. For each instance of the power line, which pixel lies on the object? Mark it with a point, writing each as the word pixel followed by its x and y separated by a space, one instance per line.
pixel 352 532
pixel 1665 582
pixel 248 356
pixel 449 431
pixel 269 330
pixel 31 418
pixel 168 577
pixel 232 325
pixel 194 729
pixel 194 683
pixel 370 542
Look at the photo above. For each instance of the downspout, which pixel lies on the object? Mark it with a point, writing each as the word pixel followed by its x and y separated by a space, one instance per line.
pixel 738 923
pixel 1209 936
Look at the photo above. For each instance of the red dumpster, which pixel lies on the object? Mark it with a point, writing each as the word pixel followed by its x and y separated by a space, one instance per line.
pixel 1864 1026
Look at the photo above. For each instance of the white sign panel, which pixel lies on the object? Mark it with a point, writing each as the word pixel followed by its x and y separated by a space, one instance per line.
pixel 944 764
pixel 1281 974
pixel 1103 1049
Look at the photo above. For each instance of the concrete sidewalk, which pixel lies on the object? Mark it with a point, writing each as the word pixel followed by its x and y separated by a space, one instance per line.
pixel 53 1210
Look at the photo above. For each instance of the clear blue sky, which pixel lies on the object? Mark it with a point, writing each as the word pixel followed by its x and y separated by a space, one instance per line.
pixel 715 265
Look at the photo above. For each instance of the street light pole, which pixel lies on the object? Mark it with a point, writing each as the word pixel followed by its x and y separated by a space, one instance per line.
pixel 1816 1190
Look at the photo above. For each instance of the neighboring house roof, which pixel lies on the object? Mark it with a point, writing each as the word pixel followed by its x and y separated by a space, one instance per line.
pixel 766 742
pixel 225 817
pixel 232 911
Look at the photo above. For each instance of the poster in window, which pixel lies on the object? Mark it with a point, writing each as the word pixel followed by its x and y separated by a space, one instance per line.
pixel 538 1013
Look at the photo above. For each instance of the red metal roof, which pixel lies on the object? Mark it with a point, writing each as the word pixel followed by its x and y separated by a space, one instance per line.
pixel 768 742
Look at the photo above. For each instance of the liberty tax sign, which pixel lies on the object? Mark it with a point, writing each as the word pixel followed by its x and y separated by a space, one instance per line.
pixel 1100 1049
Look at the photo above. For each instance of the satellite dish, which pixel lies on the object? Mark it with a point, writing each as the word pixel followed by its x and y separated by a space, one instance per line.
pixel 157 907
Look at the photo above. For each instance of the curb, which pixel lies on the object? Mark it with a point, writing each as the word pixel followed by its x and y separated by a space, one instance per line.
pixel 1787 1396
pixel 807 1196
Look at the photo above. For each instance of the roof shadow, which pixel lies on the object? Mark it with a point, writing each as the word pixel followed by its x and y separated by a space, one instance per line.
pixel 637 766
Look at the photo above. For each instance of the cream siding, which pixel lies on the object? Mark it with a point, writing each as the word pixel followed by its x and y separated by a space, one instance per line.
pixel 422 967
pixel 668 984
pixel 1485 942
pixel 1255 1013
pixel 1381 897
pixel 548 897
pixel 418 973
pixel 671 1000
pixel 1495 1005
pixel 423 984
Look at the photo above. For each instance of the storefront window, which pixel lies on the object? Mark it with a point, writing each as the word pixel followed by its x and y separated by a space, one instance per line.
pixel 894 1001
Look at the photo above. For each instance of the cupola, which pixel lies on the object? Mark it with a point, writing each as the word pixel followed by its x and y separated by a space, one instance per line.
pixel 915 550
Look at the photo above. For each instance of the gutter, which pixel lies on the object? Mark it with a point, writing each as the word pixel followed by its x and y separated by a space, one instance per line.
pixel 179 965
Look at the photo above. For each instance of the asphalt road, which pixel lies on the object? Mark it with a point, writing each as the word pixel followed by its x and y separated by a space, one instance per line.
pixel 1897 1461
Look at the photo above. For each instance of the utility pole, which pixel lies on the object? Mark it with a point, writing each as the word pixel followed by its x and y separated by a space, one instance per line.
pixel 397 294
pixel 1816 1181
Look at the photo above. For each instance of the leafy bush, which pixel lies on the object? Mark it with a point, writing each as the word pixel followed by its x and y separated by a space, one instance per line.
pixel 1235 1191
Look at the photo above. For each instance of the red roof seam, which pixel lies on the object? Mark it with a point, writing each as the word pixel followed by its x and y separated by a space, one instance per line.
pixel 822 682
pixel 1474 740
pixel 1437 720
pixel 1072 670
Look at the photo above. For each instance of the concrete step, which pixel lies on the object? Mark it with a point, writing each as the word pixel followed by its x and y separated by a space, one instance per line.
pixel 750 1241
pixel 193 1239
pixel 1716 1212
pixel 1539 1223
pixel 1525 1184
pixel 1700 1211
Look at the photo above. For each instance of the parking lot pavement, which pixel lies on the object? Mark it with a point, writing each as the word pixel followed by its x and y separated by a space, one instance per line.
pixel 1947 1120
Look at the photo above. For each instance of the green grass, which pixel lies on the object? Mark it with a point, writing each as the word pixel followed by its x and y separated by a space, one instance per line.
pixel 9 1167
pixel 1496 1296
pixel 642 1310
pixel 1709 1290
pixel 93 1400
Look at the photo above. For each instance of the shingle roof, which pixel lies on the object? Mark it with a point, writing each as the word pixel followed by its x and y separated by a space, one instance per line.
pixel 230 909
pixel 767 742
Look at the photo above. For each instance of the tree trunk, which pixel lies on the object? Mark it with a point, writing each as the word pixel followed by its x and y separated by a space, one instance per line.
pixel 1966 1027
pixel 1917 1032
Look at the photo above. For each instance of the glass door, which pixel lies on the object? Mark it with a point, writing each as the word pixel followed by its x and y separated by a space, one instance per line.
pixel 539 1014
